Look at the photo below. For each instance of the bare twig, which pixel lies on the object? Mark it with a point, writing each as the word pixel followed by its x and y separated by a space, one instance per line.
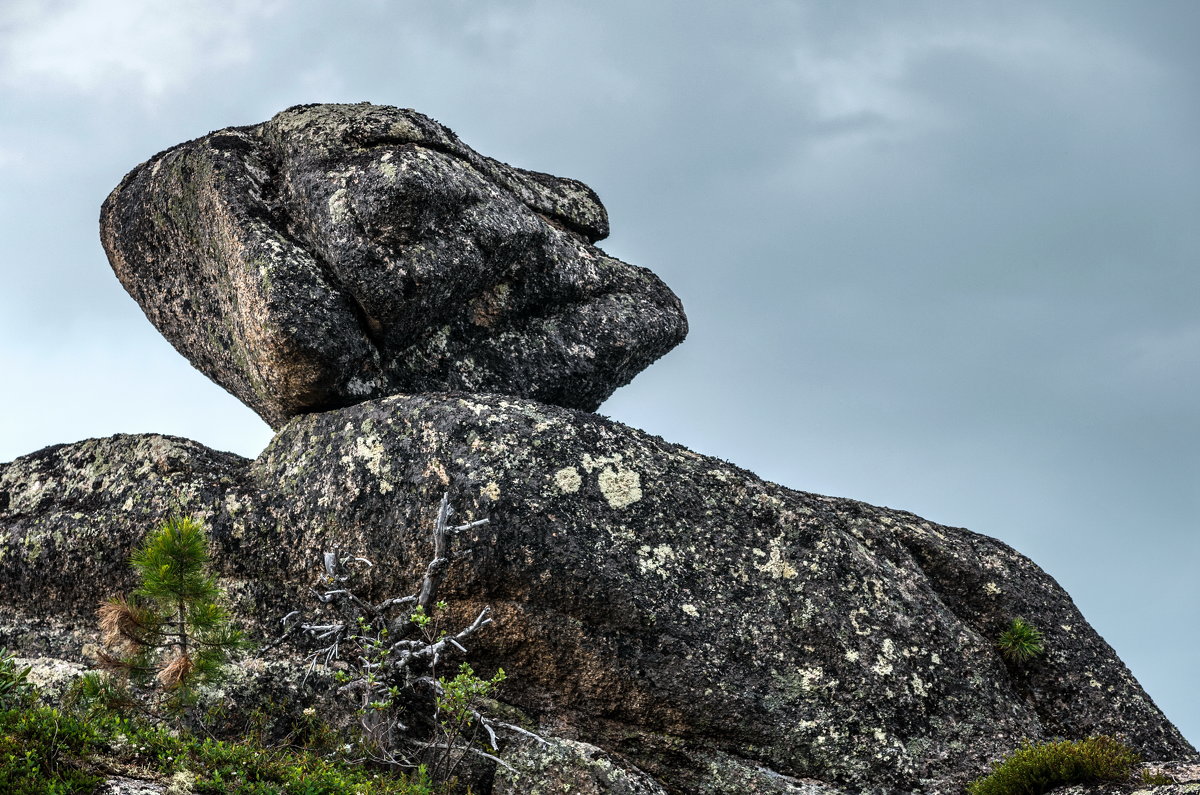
pixel 395 648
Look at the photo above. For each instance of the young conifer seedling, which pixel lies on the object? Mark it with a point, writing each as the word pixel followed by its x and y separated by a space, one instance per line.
pixel 172 634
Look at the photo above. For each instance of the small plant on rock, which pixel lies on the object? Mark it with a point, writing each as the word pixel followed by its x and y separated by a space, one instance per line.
pixel 1036 769
pixel 172 634
pixel 392 651
pixel 1021 642
pixel 459 718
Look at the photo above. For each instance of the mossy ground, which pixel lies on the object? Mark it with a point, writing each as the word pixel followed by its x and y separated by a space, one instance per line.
pixel 54 751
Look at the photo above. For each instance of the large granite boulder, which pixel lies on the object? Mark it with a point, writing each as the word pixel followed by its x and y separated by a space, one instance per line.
pixel 714 631
pixel 339 253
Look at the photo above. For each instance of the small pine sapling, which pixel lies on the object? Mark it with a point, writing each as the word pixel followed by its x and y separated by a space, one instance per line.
pixel 172 634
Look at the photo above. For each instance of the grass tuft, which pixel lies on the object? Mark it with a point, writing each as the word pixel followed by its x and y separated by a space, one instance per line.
pixel 1021 642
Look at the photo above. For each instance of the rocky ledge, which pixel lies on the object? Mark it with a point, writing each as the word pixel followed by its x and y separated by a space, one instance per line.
pixel 675 622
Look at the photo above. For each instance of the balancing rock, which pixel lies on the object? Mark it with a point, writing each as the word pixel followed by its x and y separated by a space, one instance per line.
pixel 340 253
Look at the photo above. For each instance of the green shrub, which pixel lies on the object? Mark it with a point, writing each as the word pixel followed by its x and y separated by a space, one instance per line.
pixel 1155 778
pixel 1021 642
pixel 1036 769
pixel 40 752
pixel 459 719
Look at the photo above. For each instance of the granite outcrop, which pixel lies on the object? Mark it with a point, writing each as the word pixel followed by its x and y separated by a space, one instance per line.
pixel 415 319
pixel 711 630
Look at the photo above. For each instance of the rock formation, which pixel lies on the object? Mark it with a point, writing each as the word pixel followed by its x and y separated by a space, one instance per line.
pixel 673 623
pixel 669 608
pixel 339 253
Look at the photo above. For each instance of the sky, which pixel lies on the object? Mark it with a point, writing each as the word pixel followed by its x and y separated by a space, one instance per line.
pixel 938 256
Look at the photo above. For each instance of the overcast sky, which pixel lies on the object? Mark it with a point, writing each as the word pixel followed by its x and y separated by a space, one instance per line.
pixel 936 256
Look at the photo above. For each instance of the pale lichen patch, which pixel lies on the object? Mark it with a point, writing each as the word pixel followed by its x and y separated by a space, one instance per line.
pixel 370 451
pixel 387 168
pixel 621 487
pixel 883 662
pixel 654 559
pixel 357 386
pixel 621 533
pixel 568 480
pixel 337 206
pixel 592 463
pixel 809 678
pixel 859 629
pixel 491 490
pixel 690 610
pixel 437 470
pixel 992 589
pixel 776 566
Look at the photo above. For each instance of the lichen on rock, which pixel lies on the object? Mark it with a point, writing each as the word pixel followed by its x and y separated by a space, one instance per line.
pixel 718 619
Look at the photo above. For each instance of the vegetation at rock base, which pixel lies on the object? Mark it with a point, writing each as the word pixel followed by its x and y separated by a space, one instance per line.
pixel 458 717
pixel 1021 642
pixel 164 642
pixel 56 751
pixel 1036 769
pixel 14 680
pixel 391 654
pixel 173 634
pixel 170 642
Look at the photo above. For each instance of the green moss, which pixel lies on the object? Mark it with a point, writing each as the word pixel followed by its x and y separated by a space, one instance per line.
pixel 1037 769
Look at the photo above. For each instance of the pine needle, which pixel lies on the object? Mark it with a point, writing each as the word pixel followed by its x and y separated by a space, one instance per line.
pixel 175 672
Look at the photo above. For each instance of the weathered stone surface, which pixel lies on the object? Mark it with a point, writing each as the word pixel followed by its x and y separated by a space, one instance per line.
pixel 122 785
pixel 339 253
pixel 51 676
pixel 72 515
pixel 667 607
pixel 569 767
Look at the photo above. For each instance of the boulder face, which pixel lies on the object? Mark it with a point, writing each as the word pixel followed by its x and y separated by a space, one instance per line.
pixel 699 626
pixel 340 253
